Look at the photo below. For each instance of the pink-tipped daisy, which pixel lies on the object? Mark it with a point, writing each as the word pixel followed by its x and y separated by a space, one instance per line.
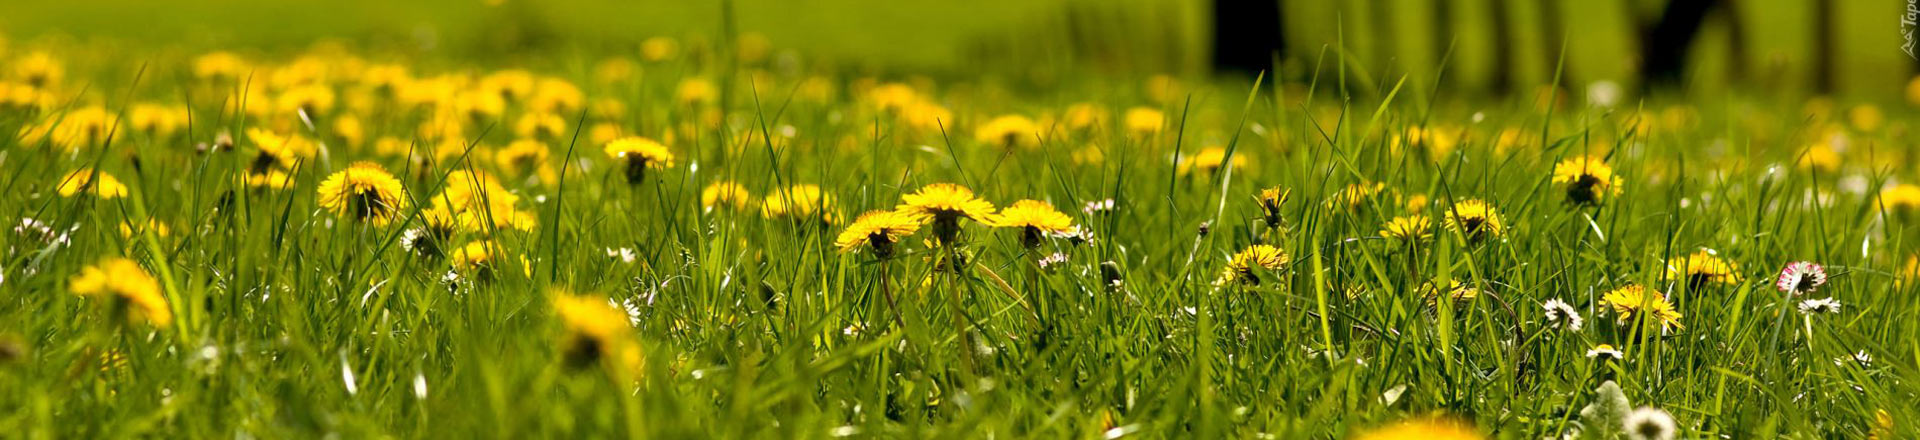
pixel 1801 277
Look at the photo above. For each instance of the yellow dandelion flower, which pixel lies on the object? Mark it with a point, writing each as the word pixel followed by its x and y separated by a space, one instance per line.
pixel 607 109
pixel 1416 203
pixel 1456 290
pixel 1035 219
pixel 38 69
pixel 1435 142
pixel 1901 200
pixel 133 292
pixel 386 78
pixel 725 193
pixel 269 179
pixel 1428 429
pixel 1866 117
pixel 555 95
pixel 98 183
pixel 1413 228
pixel 1085 116
pixel 281 150
pixel 1090 154
pixel 1819 158
pixel 1144 121
pixel 476 200
pixel 1009 131
pixel 156 120
pixel 696 91
pixel 481 259
pixel 925 115
pixel 540 126
pixel 605 132
pixel 1209 160
pixel 1353 196
pixel 659 49
pixel 129 229
pixel 72 130
pixel 1244 267
pixel 892 97
pixel 510 84
pixel 640 154
pixel 944 204
pixel 312 99
pixel 1270 201
pixel 1633 300
pixel 1882 426
pixel 1476 219
pixel 527 157
pixel 1588 180
pixel 879 230
pixel 596 332
pixel 800 202
pixel 363 192
pixel 1702 268
pixel 348 127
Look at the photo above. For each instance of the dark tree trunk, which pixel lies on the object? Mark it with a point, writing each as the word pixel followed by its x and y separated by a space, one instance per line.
pixel 1246 35
pixel 1664 47
pixel 1823 46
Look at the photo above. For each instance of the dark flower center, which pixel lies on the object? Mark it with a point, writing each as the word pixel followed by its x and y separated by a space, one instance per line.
pixel 1584 190
pixel 882 246
pixel 636 168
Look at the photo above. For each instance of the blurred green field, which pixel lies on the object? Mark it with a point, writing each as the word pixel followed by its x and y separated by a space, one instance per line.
pixel 1777 49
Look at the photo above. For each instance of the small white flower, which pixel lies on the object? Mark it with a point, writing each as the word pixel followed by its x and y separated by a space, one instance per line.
pixel 632 309
pixel 1649 423
pixel 1605 352
pixel 1098 206
pixel 1818 306
pixel 1859 357
pixel 1563 316
pixel 625 255
pixel 407 239
pixel 1075 235
pixel 1051 261
pixel 1801 277
pixel 40 232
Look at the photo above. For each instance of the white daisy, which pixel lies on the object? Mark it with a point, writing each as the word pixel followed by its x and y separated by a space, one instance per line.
pixel 1818 306
pixel 1605 352
pixel 1563 316
pixel 1649 423
pixel 1801 277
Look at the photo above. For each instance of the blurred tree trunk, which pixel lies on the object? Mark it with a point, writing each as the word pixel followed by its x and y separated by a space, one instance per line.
pixel 1246 35
pixel 1736 42
pixel 1664 47
pixel 1823 46
pixel 1502 48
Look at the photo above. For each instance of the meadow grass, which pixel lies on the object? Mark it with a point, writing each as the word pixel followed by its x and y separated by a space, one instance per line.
pixel 472 306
